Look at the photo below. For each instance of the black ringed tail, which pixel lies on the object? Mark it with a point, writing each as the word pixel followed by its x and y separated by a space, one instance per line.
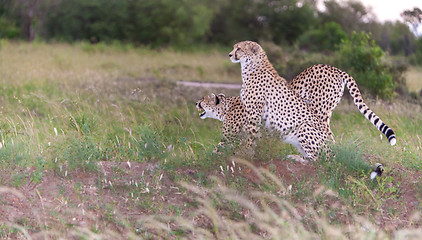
pixel 364 109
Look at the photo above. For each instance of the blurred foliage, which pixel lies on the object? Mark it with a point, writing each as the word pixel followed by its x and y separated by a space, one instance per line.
pixel 78 19
pixel 395 38
pixel 416 58
pixel 155 22
pixel 325 37
pixel 191 22
pixel 234 21
pixel 285 20
pixel 305 34
pixel 351 15
pixel 8 29
pixel 363 59
pixel 413 17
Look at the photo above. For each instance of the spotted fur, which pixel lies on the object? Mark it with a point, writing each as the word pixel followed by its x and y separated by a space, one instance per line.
pixel 268 97
pixel 229 110
pixel 322 87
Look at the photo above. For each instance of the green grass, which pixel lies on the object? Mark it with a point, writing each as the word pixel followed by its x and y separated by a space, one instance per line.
pixel 66 108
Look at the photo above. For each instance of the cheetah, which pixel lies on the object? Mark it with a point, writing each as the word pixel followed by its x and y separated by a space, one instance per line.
pixel 322 87
pixel 268 97
pixel 229 110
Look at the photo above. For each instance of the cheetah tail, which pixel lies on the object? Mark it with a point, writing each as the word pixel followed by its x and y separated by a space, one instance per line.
pixel 368 113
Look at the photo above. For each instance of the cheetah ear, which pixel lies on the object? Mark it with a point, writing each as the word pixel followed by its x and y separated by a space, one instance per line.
pixel 217 100
pixel 221 97
pixel 255 48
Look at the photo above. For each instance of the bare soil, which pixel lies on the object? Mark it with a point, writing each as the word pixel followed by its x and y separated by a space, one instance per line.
pixel 97 199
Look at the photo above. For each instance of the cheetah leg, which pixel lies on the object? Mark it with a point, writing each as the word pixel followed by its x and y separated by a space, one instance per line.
pixel 249 143
pixel 230 135
pixel 293 139
pixel 297 158
pixel 311 140
pixel 254 116
pixel 329 132
pixel 226 142
pixel 331 136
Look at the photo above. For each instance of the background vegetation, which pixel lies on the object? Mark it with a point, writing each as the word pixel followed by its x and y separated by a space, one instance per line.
pixel 187 22
pixel 298 27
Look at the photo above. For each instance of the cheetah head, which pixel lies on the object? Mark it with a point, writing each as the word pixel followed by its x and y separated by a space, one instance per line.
pixel 211 106
pixel 245 52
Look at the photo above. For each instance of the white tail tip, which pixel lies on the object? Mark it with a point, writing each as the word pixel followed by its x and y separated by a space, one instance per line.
pixel 393 142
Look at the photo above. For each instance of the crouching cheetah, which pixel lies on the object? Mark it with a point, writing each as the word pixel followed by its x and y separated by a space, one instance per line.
pixel 229 110
pixel 268 97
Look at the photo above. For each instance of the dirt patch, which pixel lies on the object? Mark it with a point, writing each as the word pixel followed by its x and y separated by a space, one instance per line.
pixel 117 191
pixel 288 171
pixel 127 191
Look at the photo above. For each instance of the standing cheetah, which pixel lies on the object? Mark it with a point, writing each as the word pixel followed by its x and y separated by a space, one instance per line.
pixel 267 96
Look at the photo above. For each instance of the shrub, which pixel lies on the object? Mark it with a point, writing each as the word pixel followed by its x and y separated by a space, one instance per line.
pixel 8 29
pixel 290 64
pixel 363 60
pixel 323 38
pixel 416 58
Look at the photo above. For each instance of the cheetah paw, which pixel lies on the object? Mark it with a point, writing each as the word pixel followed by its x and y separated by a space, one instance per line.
pixel 297 158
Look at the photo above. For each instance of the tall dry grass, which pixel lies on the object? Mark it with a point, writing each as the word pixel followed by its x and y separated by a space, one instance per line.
pixel 222 213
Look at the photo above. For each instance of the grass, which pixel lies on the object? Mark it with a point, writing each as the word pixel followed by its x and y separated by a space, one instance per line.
pixel 413 79
pixel 105 137
pixel 92 64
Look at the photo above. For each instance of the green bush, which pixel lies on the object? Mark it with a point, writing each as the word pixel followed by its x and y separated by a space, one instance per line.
pixel 8 29
pixel 323 38
pixel 155 22
pixel 363 60
pixel 285 21
pixel 291 64
pixel 416 58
